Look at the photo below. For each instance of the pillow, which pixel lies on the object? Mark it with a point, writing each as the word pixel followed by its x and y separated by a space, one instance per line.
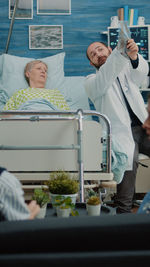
pixel 12 72
pixel 74 93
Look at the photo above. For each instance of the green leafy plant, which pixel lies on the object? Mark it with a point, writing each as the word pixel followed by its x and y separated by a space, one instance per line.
pixel 93 200
pixel 41 196
pixel 65 203
pixel 62 183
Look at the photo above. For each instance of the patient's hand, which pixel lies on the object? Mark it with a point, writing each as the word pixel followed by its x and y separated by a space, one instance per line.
pixel 34 209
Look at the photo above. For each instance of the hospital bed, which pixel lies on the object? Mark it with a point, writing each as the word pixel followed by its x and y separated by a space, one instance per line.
pixel 32 165
pixel 33 144
pixel 38 167
pixel 12 79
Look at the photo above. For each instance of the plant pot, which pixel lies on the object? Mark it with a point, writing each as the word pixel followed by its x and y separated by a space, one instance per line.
pixel 42 212
pixel 73 197
pixel 63 212
pixel 93 210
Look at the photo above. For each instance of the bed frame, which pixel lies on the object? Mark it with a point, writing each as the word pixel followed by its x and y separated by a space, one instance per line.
pixel 33 144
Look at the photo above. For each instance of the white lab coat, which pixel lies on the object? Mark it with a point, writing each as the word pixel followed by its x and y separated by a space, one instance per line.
pixel 103 89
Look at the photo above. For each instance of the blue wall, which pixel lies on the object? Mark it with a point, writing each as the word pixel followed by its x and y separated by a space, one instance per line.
pixel 88 18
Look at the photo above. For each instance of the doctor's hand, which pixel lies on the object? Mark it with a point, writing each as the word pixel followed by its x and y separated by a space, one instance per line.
pixel 146 125
pixel 132 49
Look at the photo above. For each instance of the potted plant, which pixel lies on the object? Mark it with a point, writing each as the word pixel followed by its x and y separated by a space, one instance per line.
pixel 93 205
pixel 65 206
pixel 62 183
pixel 42 198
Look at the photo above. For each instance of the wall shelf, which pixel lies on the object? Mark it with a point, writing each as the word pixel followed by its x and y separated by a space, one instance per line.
pixel 104 32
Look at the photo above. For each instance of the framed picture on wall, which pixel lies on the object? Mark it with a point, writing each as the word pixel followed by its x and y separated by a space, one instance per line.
pixel 53 7
pixel 45 37
pixel 24 9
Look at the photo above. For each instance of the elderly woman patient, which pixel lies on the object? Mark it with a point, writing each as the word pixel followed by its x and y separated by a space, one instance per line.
pixel 36 97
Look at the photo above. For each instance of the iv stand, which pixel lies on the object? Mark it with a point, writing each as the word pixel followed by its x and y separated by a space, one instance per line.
pixel 11 25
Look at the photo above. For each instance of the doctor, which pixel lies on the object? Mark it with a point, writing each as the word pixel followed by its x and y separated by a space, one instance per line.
pixel 114 90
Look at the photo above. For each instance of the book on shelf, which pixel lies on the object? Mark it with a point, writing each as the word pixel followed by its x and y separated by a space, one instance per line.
pixel 120 13
pixel 135 16
pixel 126 13
pixel 131 14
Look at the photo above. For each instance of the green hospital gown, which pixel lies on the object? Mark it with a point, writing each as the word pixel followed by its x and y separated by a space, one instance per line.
pixel 23 95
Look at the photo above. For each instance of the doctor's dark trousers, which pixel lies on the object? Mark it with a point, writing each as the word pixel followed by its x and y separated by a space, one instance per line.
pixel 126 189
